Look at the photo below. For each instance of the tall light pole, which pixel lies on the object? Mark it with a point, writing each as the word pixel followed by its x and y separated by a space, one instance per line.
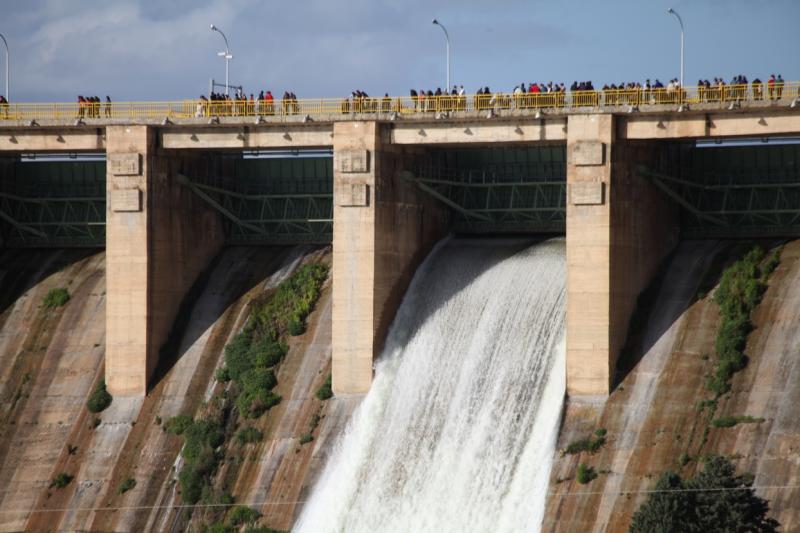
pixel 671 11
pixel 226 54
pixel 447 53
pixel 8 62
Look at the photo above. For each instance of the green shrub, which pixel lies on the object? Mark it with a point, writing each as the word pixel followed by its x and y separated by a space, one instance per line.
pixel 254 403
pixel 237 355
pixel 325 391
pixel 218 527
pixel 684 459
pixel 100 399
pixel 248 435
pixel 728 421
pixel 709 501
pixel 61 480
pixel 126 485
pixel 295 327
pixel 200 459
pixel 241 515
pixel 268 352
pixel 177 425
pixel 740 290
pixel 585 474
pixel 589 444
pixel 222 375
pixel 293 300
pixel 56 298
pixel 306 438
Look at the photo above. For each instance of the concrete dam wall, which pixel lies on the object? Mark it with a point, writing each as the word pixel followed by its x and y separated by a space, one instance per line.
pixel 53 359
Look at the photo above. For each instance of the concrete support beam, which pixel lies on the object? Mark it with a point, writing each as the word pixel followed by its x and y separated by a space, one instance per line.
pixel 751 123
pixel 287 136
pixel 159 238
pixel 67 139
pixel 619 228
pixel 481 131
pixel 382 229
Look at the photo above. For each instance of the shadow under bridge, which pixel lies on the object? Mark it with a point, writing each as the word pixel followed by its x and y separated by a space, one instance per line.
pixel 49 201
pixel 498 190
pixel 268 199
pixel 732 190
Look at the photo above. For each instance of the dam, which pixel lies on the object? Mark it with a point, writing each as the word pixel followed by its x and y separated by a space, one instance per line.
pixel 555 218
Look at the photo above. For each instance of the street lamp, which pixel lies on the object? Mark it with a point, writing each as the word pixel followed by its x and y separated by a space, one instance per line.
pixel 8 61
pixel 226 54
pixel 447 52
pixel 671 11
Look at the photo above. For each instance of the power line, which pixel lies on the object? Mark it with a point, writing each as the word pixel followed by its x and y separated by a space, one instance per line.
pixel 262 503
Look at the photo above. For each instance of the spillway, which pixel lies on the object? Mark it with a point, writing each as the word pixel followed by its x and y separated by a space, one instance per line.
pixel 458 430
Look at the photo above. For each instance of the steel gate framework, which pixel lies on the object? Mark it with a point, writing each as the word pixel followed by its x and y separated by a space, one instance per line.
pixel 485 202
pixel 728 207
pixel 269 218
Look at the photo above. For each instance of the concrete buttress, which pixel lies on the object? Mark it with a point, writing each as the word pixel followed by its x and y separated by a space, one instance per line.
pixel 159 238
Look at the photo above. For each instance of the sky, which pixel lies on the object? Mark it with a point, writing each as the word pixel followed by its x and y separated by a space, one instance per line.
pixel 144 50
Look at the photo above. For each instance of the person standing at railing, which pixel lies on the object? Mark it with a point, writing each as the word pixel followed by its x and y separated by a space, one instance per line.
pixel 758 89
pixel 269 103
pixel 771 86
pixel 108 107
pixel 4 106
pixel 779 86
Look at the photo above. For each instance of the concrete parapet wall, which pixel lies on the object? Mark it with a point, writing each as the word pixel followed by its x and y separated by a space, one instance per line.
pixel 158 239
pixel 382 230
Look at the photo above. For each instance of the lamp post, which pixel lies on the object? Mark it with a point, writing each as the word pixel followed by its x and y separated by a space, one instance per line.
pixel 226 54
pixel 447 52
pixel 671 11
pixel 8 62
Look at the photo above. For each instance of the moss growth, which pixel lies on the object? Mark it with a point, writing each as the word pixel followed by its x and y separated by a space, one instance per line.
pixel 306 438
pixel 56 298
pixel 100 399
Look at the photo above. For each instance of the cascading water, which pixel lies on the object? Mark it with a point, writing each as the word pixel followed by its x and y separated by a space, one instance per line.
pixel 458 430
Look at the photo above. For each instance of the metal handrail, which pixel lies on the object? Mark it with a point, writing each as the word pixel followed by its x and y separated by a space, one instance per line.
pixel 406 105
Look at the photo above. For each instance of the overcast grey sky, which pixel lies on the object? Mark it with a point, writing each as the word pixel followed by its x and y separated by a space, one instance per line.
pixel 164 50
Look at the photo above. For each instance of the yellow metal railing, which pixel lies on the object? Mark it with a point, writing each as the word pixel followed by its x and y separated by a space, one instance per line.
pixel 327 108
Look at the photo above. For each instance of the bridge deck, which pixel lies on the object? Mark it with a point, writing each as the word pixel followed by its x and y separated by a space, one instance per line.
pixel 392 108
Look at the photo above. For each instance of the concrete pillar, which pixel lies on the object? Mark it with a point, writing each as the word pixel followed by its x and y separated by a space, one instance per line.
pixel 619 229
pixel 159 238
pixel 382 229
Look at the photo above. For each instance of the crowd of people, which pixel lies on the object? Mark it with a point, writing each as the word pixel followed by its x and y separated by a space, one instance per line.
pixel 524 95
pixel 90 106
pixel 241 105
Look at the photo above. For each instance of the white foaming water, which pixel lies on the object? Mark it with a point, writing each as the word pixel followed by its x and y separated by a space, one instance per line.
pixel 458 430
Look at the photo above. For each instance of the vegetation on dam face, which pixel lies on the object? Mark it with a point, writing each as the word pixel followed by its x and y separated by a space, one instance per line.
pixel 78 462
pixel 251 363
pixel 704 402
pixel 77 465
